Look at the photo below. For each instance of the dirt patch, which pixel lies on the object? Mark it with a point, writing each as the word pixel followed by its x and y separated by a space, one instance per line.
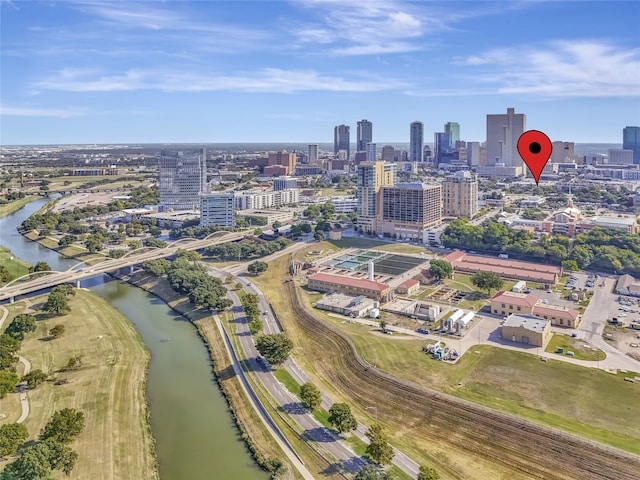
pixel 626 340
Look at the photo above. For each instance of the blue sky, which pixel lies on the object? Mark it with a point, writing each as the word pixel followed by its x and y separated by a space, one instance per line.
pixel 259 71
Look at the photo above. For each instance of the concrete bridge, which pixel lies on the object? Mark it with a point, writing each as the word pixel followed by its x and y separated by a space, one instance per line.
pixel 80 271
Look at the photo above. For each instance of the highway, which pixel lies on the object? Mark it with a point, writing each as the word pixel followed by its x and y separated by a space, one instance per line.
pixel 73 275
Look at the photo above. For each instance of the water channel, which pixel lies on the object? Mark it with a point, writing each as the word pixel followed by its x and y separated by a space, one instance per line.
pixel 195 435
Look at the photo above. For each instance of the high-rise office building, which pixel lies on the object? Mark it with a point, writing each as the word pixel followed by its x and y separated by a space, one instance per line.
pixel 473 154
pixel 416 141
pixel 620 157
pixel 313 153
pixel 460 195
pixel 182 177
pixel 503 132
pixel 441 147
pixel 341 140
pixel 409 209
pixel 631 141
pixel 371 152
pixel 452 129
pixel 217 208
pixel 371 176
pixel 365 134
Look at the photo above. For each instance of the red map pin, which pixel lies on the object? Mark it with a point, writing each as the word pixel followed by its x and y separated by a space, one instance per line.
pixel 535 149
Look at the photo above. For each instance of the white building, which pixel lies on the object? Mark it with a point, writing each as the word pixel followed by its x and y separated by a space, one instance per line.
pixel 257 200
pixel 620 157
pixel 344 204
pixel 217 208
pixel 284 183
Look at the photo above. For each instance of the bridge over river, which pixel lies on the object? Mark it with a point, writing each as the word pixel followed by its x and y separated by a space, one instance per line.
pixel 75 274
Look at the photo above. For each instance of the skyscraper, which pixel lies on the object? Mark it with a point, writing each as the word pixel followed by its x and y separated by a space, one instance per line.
pixel 313 153
pixel 631 141
pixel 440 147
pixel 416 141
pixel 182 179
pixel 503 132
pixel 371 176
pixel 409 209
pixel 341 140
pixel 371 152
pixel 365 134
pixel 217 209
pixel 453 130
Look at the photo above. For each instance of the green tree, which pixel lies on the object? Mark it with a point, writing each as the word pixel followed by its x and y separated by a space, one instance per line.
pixel 310 396
pixel 440 269
pixel 257 267
pixel 8 382
pixel 57 331
pixel 94 243
pixel 8 348
pixel 341 418
pixel 276 225
pixel 570 265
pixel 428 473
pixel 33 464
pixel 12 435
pixel 67 240
pixel 275 348
pixel 56 304
pixel 40 267
pixel 21 324
pixel 370 472
pixel 65 425
pixel 319 235
pixel 66 289
pixel 35 378
pixel 487 280
pixel 5 275
pixel 378 449
pixel 383 326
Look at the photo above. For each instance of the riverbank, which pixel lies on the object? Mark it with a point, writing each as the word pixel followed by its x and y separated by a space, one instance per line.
pixel 12 207
pixel 258 440
pixel 108 386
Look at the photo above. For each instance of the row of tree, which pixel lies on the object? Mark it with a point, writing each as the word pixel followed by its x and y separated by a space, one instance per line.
pixel 51 452
pixel 252 312
pixel 608 250
pixel 187 275
pixel 246 249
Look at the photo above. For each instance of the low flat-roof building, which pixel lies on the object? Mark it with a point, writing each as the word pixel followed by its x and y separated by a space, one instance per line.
pixel 527 329
pixel 346 304
pixel 327 282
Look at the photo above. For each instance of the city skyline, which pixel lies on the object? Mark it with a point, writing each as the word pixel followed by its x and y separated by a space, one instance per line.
pixel 82 72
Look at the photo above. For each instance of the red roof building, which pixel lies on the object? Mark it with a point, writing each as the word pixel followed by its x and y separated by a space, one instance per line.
pixel 327 282
pixel 506 303
pixel 408 287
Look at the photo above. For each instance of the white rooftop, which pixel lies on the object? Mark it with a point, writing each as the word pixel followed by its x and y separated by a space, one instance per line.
pixel 530 322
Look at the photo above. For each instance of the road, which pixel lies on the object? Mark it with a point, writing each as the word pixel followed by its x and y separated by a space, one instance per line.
pixel 401 460
pixel 290 404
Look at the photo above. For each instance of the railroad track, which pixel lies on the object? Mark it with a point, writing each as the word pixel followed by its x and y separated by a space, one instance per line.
pixel 534 450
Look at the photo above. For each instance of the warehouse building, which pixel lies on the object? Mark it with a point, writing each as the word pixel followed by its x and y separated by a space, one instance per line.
pixel 527 329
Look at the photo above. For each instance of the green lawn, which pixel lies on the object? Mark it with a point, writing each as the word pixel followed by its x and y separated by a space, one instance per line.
pixel 575 345
pixel 285 378
pixel 16 267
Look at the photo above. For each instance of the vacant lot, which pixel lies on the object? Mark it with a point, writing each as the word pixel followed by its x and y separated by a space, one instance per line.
pixel 109 387
pixel 580 349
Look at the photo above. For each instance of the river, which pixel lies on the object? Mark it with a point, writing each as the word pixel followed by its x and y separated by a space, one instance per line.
pixel 194 432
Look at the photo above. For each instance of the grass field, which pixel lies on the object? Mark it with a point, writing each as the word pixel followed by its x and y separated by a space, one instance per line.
pixel 584 401
pixel 9 208
pixel 378 245
pixel 16 267
pixel 576 346
pixel 108 388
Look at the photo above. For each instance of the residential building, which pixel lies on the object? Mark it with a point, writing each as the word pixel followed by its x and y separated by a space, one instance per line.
pixel 217 208
pixel 503 132
pixel 313 153
pixel 327 282
pixel 182 179
pixel 631 141
pixel 410 209
pixel 452 129
pixel 371 177
pixel 460 195
pixel 527 329
pixel 252 199
pixel 341 140
pixel 365 135
pixel 416 141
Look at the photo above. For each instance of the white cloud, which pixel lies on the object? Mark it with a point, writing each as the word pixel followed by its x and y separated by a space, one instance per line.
pixel 7 110
pixel 273 80
pixel 584 68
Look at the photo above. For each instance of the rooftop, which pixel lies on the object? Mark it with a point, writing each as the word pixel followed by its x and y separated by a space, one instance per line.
pixel 349 281
pixel 513 298
pixel 529 322
pixel 542 309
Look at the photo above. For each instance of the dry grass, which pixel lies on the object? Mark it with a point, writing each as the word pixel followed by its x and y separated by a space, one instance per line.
pixel 109 388
pixel 11 207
